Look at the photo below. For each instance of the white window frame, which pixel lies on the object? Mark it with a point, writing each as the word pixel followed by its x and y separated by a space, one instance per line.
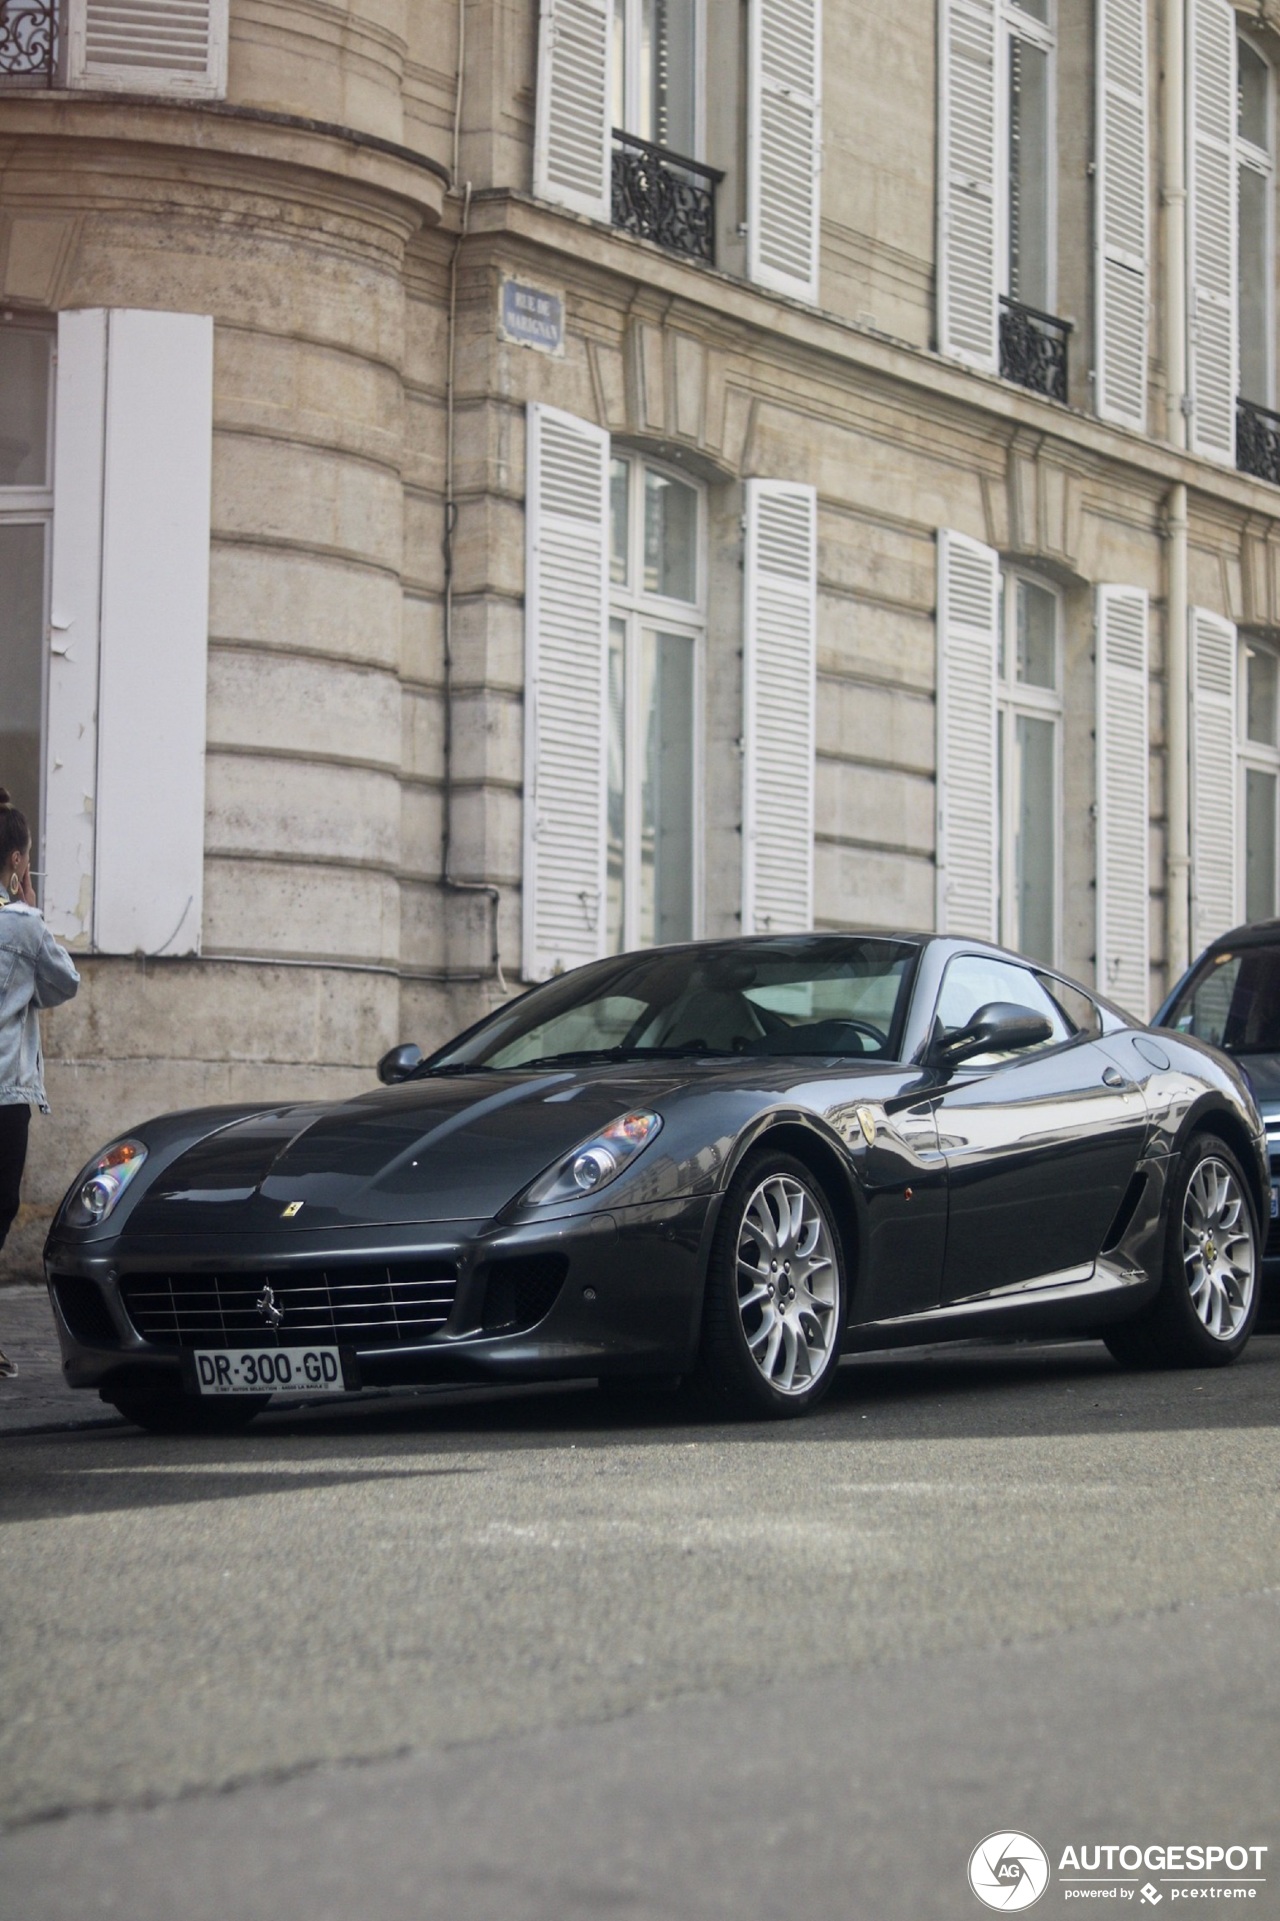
pixel 1257 755
pixel 1261 161
pixel 28 507
pixel 637 609
pixel 1011 21
pixel 1014 698
pixel 631 89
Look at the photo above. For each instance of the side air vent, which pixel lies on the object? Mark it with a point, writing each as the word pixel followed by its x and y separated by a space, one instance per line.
pixel 1125 1212
pixel 82 1307
pixel 519 1292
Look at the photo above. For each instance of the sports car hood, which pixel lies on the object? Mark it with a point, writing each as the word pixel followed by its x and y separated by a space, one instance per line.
pixel 429 1150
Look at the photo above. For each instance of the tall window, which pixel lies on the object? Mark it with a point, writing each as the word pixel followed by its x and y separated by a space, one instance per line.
pixel 1256 254
pixel 1259 773
pixel 26 514
pixel 1028 43
pixel 1028 724
pixel 655 636
pixel 655 71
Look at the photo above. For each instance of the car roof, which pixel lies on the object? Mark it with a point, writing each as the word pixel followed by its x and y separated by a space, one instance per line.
pixel 1257 933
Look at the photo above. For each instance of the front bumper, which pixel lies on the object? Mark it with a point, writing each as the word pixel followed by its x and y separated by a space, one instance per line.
pixel 629 1300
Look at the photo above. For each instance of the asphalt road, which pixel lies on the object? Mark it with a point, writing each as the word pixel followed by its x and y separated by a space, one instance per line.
pixel 524 1656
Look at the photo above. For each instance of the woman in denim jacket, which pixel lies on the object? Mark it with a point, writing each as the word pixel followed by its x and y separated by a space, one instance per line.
pixel 34 972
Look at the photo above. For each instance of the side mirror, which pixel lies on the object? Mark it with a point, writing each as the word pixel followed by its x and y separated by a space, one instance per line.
pixel 1001 1027
pixel 399 1064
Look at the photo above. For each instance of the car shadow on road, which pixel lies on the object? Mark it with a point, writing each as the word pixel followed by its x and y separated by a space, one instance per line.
pixel 80 1486
pixel 954 1393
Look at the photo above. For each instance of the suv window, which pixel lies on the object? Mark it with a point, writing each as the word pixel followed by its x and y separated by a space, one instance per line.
pixel 1233 1002
pixel 972 981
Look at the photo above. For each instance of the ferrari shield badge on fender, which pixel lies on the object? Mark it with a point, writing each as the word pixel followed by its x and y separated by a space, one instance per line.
pixel 867 1122
pixel 294 1207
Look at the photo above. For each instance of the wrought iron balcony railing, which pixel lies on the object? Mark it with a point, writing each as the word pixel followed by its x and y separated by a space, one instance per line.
pixel 28 43
pixel 1033 349
pixel 664 197
pixel 1258 441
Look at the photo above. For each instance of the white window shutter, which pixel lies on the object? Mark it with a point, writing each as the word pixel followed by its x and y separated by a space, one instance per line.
pixel 1213 205
pixel 1121 225
pixel 71 738
pixel 148 46
pixel 784 136
pixel 967 175
pixel 1214 885
pixel 572 149
pixel 153 662
pixel 968 799
pixel 779 668
pixel 566 667
pixel 1123 750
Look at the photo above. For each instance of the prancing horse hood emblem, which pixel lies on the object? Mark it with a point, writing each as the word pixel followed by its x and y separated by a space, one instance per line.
pixel 294 1207
pixel 269 1308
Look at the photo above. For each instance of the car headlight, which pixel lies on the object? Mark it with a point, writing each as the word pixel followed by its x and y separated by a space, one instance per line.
pixel 597 1160
pixel 103 1182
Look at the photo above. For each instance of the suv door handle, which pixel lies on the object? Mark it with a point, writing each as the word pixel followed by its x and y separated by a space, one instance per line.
pixel 1113 1077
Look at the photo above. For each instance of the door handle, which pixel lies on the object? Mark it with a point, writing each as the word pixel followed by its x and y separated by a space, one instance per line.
pixel 1113 1077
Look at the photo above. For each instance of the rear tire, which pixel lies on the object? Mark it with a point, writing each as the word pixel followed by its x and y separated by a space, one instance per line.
pixel 776 1297
pixel 166 1411
pixel 1208 1300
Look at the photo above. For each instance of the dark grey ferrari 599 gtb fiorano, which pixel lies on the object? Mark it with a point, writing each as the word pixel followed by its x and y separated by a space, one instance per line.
pixel 729 1162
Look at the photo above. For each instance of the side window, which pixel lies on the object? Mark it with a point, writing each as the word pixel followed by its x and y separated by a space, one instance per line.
pixel 1081 1013
pixel 972 981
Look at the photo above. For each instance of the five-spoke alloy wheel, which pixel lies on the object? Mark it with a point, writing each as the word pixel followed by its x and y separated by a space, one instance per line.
pixel 775 1303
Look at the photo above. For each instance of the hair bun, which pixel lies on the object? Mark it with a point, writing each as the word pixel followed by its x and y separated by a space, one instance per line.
pixel 4 797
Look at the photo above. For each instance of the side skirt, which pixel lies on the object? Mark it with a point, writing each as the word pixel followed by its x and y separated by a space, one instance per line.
pixel 1080 1302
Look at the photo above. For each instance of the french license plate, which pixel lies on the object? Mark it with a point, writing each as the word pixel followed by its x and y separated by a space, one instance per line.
pixel 268 1370
pixel 1275 1200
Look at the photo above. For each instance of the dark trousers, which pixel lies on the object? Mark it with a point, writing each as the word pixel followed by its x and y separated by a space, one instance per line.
pixel 14 1122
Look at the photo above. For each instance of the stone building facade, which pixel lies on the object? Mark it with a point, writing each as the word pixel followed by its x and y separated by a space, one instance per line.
pixel 483 485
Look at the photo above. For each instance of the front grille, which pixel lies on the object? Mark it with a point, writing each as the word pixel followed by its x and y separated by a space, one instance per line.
pixel 86 1314
pixel 519 1292
pixel 386 1305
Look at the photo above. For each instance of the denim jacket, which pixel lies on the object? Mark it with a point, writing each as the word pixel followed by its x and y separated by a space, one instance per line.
pixel 34 972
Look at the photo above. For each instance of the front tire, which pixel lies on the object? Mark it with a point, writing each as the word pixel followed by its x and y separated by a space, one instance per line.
pixel 1208 1300
pixel 775 1306
pixel 169 1411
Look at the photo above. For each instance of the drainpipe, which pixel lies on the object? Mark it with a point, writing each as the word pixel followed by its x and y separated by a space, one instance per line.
pixel 1178 903
pixel 1177 898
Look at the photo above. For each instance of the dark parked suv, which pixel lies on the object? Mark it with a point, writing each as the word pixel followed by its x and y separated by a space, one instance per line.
pixel 1230 997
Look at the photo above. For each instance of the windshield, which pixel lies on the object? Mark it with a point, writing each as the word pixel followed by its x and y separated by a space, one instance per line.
pixel 831 996
pixel 1233 1002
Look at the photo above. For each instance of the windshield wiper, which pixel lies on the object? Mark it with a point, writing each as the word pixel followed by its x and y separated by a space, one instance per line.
pixel 426 1072
pixel 586 1056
